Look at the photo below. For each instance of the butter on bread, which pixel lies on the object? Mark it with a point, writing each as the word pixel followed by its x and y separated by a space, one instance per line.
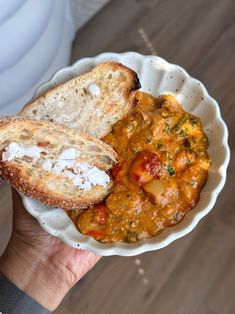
pixel 92 102
pixel 59 166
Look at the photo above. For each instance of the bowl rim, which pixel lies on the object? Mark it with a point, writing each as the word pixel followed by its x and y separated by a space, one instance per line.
pixel 144 245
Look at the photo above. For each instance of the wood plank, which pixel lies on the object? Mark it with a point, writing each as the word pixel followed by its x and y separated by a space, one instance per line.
pixel 182 278
pixel 103 31
pixel 220 298
pixel 5 214
pixel 204 309
pixel 198 270
pixel 196 273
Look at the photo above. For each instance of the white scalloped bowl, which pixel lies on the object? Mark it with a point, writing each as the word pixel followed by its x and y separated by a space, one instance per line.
pixel 156 76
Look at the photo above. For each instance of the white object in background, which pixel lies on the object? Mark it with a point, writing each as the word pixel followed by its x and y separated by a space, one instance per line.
pixel 36 39
pixel 8 8
pixel 156 77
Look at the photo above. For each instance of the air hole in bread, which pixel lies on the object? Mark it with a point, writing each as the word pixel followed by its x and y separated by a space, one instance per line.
pixel 93 148
pixel 5 143
pixel 80 143
pixel 106 159
pixel 25 134
pixel 109 76
pixel 85 91
pixel 27 159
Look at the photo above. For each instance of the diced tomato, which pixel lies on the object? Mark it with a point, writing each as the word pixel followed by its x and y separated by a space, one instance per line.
pixel 96 234
pixel 116 170
pixel 145 167
pixel 100 213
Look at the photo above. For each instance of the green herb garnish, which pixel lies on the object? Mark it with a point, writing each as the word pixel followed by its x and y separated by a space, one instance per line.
pixel 170 170
pixel 163 102
pixel 193 121
pixel 135 149
pixel 177 127
pixel 148 141
pixel 159 146
pixel 167 127
pixel 204 140
pixel 133 233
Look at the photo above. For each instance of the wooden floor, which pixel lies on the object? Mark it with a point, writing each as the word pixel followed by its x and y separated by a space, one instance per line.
pixel 195 274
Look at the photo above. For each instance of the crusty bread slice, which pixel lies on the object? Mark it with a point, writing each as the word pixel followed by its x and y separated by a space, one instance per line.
pixel 91 103
pixel 53 163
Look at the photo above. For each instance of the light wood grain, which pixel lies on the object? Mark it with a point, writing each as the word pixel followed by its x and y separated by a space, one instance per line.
pixel 195 274
pixel 5 215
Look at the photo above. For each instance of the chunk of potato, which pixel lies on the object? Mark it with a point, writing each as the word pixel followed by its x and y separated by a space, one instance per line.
pixel 169 102
pixel 154 189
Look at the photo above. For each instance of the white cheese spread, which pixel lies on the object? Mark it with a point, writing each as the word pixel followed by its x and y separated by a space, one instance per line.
pixel 69 153
pixel 14 150
pixel 47 165
pixel 82 174
pixel 98 112
pixel 94 89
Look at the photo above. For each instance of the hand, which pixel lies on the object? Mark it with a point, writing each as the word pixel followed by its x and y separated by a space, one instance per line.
pixel 40 264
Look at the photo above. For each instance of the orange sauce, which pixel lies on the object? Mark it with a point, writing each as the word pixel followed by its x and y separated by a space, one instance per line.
pixel 163 165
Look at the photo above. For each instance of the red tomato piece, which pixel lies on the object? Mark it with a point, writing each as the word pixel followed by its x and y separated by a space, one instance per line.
pixel 145 167
pixel 116 170
pixel 96 234
pixel 100 213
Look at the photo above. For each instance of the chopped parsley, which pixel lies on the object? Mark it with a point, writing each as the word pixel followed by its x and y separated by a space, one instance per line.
pixel 193 121
pixel 163 102
pixel 132 233
pixel 177 127
pixel 135 149
pixel 186 132
pixel 204 140
pixel 167 127
pixel 148 141
pixel 159 146
pixel 170 170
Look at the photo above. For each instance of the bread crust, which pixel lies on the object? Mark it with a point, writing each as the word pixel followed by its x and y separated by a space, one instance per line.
pixel 35 183
pixel 16 178
pixel 6 120
pixel 80 112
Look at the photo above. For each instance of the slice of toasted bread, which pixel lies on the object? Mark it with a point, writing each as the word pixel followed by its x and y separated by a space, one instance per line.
pixel 91 103
pixel 54 164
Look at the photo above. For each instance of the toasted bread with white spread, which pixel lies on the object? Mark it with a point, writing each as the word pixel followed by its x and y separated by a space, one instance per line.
pixel 54 164
pixel 91 103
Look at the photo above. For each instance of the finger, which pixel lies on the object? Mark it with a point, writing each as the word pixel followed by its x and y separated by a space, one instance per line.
pixel 22 220
pixel 17 202
pixel 18 207
pixel 85 261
